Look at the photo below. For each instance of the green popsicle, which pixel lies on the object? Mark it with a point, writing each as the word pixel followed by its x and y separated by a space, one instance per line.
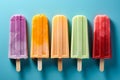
pixel 79 41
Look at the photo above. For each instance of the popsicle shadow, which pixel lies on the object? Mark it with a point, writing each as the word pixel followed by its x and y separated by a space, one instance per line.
pixel 90 38
pixel 112 63
pixel 49 34
pixel 28 39
pixel 48 64
pixel 69 34
pixel 13 61
pixel 90 34
pixel 44 69
pixel 88 63
pixel 68 64
pixel 24 64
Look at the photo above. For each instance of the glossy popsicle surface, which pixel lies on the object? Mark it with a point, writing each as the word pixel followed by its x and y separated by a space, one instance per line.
pixel 18 38
pixel 40 41
pixel 60 44
pixel 102 41
pixel 79 41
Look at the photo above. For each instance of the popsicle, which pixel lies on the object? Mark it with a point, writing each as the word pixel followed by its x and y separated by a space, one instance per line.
pixel 102 41
pixel 59 42
pixel 18 39
pixel 79 40
pixel 40 39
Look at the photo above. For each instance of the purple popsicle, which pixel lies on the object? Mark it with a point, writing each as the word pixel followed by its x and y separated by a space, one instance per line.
pixel 18 39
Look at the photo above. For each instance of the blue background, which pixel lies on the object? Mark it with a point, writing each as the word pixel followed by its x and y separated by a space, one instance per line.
pixel 69 8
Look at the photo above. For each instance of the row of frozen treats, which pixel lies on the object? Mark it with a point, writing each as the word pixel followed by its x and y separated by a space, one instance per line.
pixel 40 46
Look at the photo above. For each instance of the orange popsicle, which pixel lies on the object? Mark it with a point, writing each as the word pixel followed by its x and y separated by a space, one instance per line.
pixel 60 44
pixel 40 39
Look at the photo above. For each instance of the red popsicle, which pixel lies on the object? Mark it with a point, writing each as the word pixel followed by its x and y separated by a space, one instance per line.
pixel 102 41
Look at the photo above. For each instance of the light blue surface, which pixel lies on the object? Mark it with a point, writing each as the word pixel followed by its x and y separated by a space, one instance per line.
pixel 90 8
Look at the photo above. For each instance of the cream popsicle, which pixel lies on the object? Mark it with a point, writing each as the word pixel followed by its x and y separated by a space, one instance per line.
pixel 40 39
pixel 18 39
pixel 59 44
pixel 102 41
pixel 79 39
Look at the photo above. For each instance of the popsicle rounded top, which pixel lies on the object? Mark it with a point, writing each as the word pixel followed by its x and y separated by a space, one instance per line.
pixel 18 37
pixel 79 39
pixel 59 42
pixel 102 40
pixel 39 39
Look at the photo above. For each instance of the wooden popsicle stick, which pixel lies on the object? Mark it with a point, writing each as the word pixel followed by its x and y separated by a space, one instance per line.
pixel 101 65
pixel 18 67
pixel 39 64
pixel 59 64
pixel 79 64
